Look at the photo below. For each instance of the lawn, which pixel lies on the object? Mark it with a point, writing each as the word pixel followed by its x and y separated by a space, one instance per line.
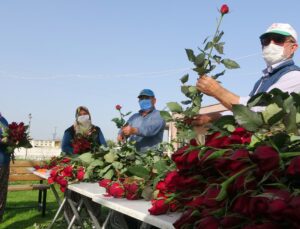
pixel 21 211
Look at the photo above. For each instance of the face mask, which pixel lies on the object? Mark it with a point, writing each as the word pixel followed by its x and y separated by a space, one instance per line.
pixel 83 118
pixel 145 104
pixel 273 54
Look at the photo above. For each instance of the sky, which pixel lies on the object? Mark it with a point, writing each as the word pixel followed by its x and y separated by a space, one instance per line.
pixel 57 55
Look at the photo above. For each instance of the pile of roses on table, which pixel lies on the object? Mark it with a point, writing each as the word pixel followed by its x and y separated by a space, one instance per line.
pixel 226 184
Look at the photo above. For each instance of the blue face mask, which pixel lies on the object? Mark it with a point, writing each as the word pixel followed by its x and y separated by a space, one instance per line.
pixel 145 104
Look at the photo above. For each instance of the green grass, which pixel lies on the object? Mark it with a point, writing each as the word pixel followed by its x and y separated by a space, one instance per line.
pixel 22 213
pixel 21 210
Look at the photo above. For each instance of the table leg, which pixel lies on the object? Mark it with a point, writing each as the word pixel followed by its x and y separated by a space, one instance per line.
pixel 58 212
pixel 77 216
pixel 91 212
pixel 74 217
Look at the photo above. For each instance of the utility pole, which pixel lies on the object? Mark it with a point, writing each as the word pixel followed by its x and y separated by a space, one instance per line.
pixel 54 134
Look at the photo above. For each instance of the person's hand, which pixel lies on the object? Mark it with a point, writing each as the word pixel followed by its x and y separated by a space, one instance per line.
pixel 208 85
pixel 201 120
pixel 120 138
pixel 129 130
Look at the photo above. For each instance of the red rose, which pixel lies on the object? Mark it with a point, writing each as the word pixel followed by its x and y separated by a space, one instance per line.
pixel 133 187
pixel 241 205
pixel 116 190
pixel 277 208
pixel 62 182
pixel 224 9
pixel 196 202
pixel 230 221
pixel 265 225
pixel 179 157
pixel 187 218
pixel 216 141
pixel 118 107
pixel 240 136
pixel 53 173
pixel 104 183
pixel 208 222
pixel 258 206
pixel 68 171
pixel 159 207
pixel 238 160
pixel 266 157
pixel 294 167
pixel 65 160
pixel 161 186
pixel 62 188
pixel 209 197
pixel 80 175
pixel 50 180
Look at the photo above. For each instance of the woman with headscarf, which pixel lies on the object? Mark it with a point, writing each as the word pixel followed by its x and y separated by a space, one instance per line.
pixel 4 170
pixel 82 127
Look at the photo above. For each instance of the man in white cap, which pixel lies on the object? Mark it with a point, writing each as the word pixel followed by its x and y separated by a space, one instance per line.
pixel 279 43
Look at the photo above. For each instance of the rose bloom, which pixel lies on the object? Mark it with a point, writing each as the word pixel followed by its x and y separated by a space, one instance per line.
pixel 118 107
pixel 80 174
pixel 266 157
pixel 224 9
pixel 104 183
pixel 294 167
pixel 159 207
pixel 116 190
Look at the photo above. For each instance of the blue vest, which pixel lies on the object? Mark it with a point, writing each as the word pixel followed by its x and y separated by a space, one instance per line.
pixel 266 82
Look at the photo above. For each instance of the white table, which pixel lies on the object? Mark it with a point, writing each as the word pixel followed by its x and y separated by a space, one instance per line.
pixel 87 191
pixel 138 209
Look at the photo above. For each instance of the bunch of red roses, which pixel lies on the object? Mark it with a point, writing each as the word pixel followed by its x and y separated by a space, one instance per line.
pixel 228 183
pixel 64 173
pixel 128 188
pixel 15 136
pixel 81 145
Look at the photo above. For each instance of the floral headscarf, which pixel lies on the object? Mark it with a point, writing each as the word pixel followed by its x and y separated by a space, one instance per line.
pixel 82 128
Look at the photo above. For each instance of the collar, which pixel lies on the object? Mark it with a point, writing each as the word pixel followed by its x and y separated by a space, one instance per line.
pixel 270 69
pixel 148 112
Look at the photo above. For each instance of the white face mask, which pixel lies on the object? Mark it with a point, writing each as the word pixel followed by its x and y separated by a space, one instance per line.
pixel 83 118
pixel 273 54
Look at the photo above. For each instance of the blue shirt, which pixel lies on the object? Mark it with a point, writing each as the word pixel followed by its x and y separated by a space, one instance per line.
pixel 66 144
pixel 150 130
pixel 4 157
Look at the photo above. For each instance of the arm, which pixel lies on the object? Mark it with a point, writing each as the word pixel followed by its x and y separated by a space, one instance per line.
pixel 101 138
pixel 66 146
pixel 211 87
pixel 204 119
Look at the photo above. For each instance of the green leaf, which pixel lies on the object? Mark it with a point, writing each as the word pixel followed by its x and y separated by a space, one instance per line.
pixel 110 173
pixel 217 58
pixel 247 118
pixel 161 166
pixel 208 45
pixel 117 165
pixel 174 107
pixel 200 59
pixel 166 116
pixel 230 64
pixel 190 54
pixel 86 158
pixel 290 120
pixel 193 90
pixel 139 171
pixel 97 162
pixel 219 48
pixel 216 76
pixel 186 102
pixel 185 90
pixel 216 154
pixel 218 37
pixel 269 114
pixel 110 157
pixel 185 78
pixel 259 99
pixel 200 70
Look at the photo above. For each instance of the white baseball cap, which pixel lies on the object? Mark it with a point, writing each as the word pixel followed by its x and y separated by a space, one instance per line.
pixel 283 29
